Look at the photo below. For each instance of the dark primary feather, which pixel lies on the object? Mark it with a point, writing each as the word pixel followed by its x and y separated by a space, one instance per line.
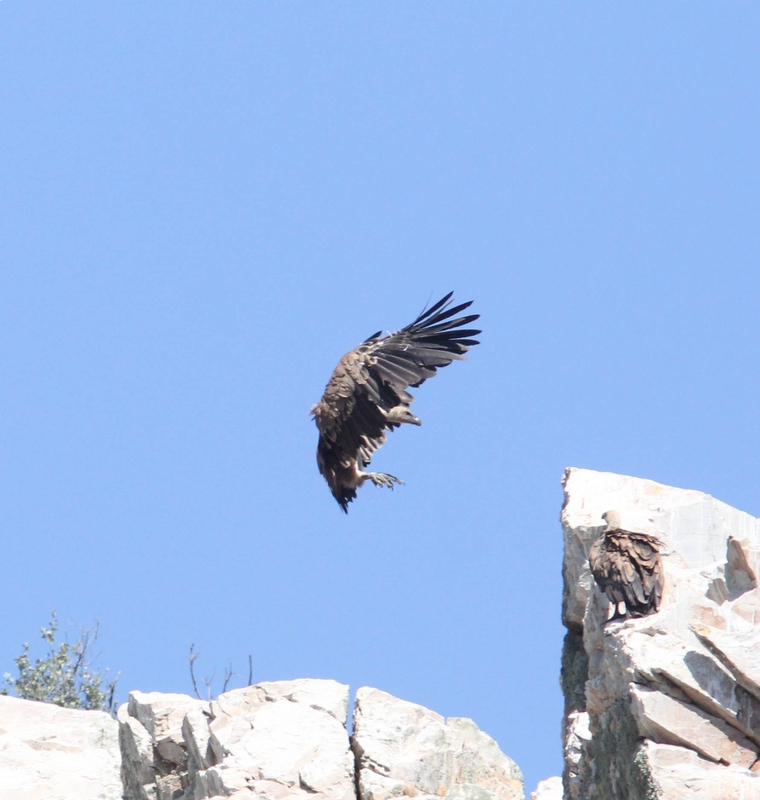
pixel 373 379
pixel 627 566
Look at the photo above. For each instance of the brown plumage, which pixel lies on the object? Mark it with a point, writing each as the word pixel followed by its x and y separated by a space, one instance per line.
pixel 627 567
pixel 366 395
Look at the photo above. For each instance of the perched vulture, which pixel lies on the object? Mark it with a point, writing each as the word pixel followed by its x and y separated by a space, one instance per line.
pixel 627 567
pixel 367 393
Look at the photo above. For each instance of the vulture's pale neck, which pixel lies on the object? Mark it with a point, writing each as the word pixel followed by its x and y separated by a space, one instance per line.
pixel 612 518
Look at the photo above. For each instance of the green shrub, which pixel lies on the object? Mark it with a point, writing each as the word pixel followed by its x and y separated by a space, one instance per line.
pixel 65 676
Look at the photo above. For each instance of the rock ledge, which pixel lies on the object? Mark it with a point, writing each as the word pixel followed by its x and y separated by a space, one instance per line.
pixel 668 705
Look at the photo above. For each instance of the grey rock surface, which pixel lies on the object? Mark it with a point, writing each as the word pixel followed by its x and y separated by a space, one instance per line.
pixel 404 749
pixel 289 740
pixel 550 789
pixel 154 755
pixel 284 739
pixel 665 705
pixel 273 741
pixel 53 753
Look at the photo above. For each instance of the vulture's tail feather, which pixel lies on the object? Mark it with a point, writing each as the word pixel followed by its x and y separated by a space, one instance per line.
pixel 344 496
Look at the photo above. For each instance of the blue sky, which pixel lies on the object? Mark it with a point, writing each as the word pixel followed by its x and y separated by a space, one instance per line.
pixel 205 205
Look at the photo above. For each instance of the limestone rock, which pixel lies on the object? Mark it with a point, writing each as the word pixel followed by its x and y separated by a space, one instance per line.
pixel 666 719
pixel 672 700
pixel 153 749
pixel 738 649
pixel 197 736
pixel 550 789
pixel 405 749
pixel 137 760
pixel 162 716
pixel 272 741
pixel 51 752
pixel 683 775
pixel 287 738
pixel 577 737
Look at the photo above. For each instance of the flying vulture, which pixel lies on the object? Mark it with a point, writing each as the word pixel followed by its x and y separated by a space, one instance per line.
pixel 367 396
pixel 627 567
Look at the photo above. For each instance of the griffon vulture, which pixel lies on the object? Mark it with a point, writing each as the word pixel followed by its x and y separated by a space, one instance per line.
pixel 627 567
pixel 367 393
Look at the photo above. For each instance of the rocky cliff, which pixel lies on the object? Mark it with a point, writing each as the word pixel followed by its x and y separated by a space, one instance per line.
pixel 665 706
pixel 52 753
pixel 286 740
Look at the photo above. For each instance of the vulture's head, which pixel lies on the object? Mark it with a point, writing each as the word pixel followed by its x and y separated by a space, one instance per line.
pixel 612 518
pixel 399 414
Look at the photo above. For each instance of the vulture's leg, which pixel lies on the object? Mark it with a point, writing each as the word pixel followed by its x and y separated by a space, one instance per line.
pixel 619 613
pixel 380 479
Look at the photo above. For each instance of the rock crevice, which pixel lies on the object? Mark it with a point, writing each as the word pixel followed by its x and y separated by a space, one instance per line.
pixel 289 740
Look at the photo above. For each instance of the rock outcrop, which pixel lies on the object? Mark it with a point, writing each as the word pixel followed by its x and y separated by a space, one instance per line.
pixel 283 740
pixel 271 741
pixel 665 706
pixel 403 749
pixel 51 752
pixel 550 789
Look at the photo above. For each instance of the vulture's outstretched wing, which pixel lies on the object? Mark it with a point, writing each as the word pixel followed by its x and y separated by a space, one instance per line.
pixel 367 395
pixel 627 566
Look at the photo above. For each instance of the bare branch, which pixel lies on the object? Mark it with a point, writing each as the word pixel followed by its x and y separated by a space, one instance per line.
pixel 228 673
pixel 208 682
pixel 111 690
pixel 191 658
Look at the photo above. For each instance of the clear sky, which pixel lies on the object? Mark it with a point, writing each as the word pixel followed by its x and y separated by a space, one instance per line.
pixel 204 205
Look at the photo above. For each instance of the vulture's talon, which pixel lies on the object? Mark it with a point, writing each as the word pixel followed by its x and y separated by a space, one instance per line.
pixel 384 479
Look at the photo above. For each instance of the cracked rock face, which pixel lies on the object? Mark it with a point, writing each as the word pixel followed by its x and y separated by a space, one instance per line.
pixel 51 752
pixel 667 705
pixel 404 749
pixel 288 739
pixel 272 741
